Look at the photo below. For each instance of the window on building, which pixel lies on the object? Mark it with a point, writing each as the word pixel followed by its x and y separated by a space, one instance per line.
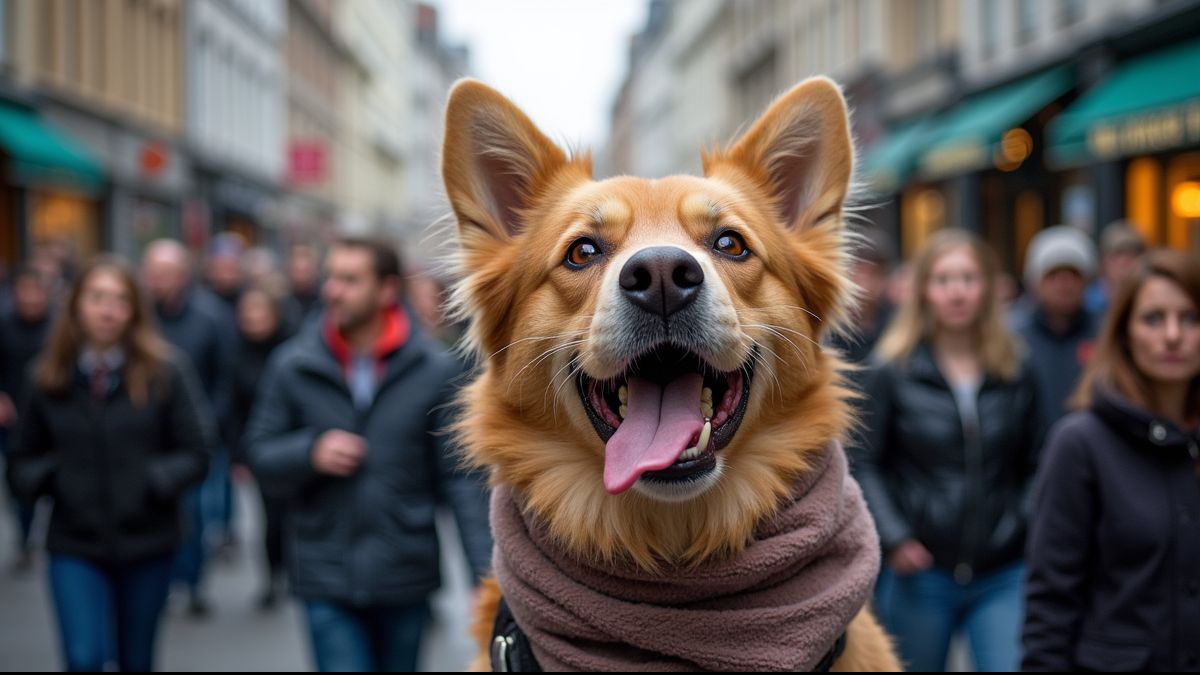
pixel 928 29
pixel 1143 196
pixel 97 58
pixel 200 98
pixel 758 86
pixel 1183 194
pixel 923 212
pixel 837 37
pixel 864 25
pixel 854 43
pixel 1070 12
pixel 45 28
pixel 989 27
pixel 4 57
pixel 1027 17
pixel 72 31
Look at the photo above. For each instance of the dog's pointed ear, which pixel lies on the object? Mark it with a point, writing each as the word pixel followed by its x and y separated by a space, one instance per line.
pixel 799 151
pixel 494 161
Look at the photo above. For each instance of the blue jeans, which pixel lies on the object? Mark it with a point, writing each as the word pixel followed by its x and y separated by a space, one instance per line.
pixel 365 639
pixel 109 609
pixel 24 511
pixel 924 611
pixel 192 551
pixel 216 495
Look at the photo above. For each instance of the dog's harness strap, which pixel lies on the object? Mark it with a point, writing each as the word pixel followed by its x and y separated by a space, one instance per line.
pixel 511 652
pixel 832 655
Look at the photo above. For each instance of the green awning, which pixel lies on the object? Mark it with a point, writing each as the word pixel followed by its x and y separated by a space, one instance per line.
pixel 887 165
pixel 967 139
pixel 1148 104
pixel 38 155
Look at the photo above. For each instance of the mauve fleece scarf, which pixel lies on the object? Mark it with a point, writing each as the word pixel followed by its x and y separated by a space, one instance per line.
pixel 779 605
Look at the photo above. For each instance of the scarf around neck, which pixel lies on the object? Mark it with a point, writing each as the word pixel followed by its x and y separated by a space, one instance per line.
pixel 780 604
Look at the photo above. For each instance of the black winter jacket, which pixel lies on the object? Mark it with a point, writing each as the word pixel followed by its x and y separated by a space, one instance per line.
pixel 116 471
pixel 368 539
pixel 961 492
pixel 1114 546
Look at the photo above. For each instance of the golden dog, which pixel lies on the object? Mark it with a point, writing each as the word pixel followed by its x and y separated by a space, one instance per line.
pixel 581 294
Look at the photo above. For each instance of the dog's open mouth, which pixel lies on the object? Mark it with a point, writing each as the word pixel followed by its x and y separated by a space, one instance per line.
pixel 665 418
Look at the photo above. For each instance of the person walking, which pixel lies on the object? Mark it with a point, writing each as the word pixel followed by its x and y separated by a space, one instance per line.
pixel 114 431
pixel 1114 546
pixel 22 334
pixel 946 458
pixel 350 426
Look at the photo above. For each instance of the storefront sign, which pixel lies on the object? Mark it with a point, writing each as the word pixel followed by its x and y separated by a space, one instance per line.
pixel 153 157
pixel 955 159
pixel 307 162
pixel 1163 129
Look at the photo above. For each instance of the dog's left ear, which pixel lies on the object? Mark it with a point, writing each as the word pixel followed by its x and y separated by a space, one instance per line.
pixel 799 151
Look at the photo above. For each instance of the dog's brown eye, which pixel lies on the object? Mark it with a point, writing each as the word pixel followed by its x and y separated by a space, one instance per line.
pixel 582 252
pixel 731 244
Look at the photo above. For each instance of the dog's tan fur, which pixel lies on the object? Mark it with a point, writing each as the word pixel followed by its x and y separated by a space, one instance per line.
pixel 520 201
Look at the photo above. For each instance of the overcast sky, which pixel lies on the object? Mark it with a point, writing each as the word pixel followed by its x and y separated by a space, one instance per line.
pixel 560 60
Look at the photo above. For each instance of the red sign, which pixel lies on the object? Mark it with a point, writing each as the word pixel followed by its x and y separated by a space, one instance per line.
pixel 153 157
pixel 307 162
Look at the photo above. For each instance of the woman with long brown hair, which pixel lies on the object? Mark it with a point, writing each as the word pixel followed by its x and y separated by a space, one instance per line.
pixel 947 454
pixel 1114 546
pixel 113 432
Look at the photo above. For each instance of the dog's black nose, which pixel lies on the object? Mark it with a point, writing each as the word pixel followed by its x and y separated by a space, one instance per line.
pixel 662 279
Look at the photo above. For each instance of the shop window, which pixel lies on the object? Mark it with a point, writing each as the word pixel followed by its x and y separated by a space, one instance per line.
pixel 1079 207
pixel 1143 198
pixel 1183 191
pixel 923 212
pixel 1027 21
pixel 1028 216
pixel 61 217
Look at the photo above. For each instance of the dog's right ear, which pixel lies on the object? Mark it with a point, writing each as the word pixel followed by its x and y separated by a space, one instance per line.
pixel 495 162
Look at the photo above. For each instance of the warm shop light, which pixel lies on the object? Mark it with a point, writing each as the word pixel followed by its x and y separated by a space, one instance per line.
pixel 1185 199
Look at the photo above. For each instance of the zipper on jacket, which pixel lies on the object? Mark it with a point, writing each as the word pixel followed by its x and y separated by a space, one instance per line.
pixel 964 570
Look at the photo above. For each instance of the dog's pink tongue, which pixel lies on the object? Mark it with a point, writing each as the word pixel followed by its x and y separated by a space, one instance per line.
pixel 660 425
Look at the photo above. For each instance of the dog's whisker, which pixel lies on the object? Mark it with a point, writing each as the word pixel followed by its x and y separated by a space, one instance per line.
pixel 762 361
pixel 553 379
pixel 792 330
pixel 570 376
pixel 775 330
pixel 765 309
pixel 569 333
pixel 543 356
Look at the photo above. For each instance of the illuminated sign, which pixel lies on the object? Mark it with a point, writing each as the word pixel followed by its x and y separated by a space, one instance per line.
pixel 1161 129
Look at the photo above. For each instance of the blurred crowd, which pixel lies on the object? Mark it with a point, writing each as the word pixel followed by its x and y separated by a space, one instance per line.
pixel 1030 451
pixel 1033 462
pixel 133 399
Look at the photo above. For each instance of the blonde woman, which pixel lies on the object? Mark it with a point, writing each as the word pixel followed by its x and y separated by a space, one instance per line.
pixel 948 451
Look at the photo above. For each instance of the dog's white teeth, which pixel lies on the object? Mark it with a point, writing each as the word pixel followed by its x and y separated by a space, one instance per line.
pixel 701 445
pixel 623 395
pixel 705 434
pixel 706 396
pixel 623 410
pixel 706 409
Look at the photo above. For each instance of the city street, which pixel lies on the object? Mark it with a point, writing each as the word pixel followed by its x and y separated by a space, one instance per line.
pixel 238 636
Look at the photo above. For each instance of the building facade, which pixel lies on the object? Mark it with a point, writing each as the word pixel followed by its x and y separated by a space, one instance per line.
pixel 1000 116
pixel 108 75
pixel 236 82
